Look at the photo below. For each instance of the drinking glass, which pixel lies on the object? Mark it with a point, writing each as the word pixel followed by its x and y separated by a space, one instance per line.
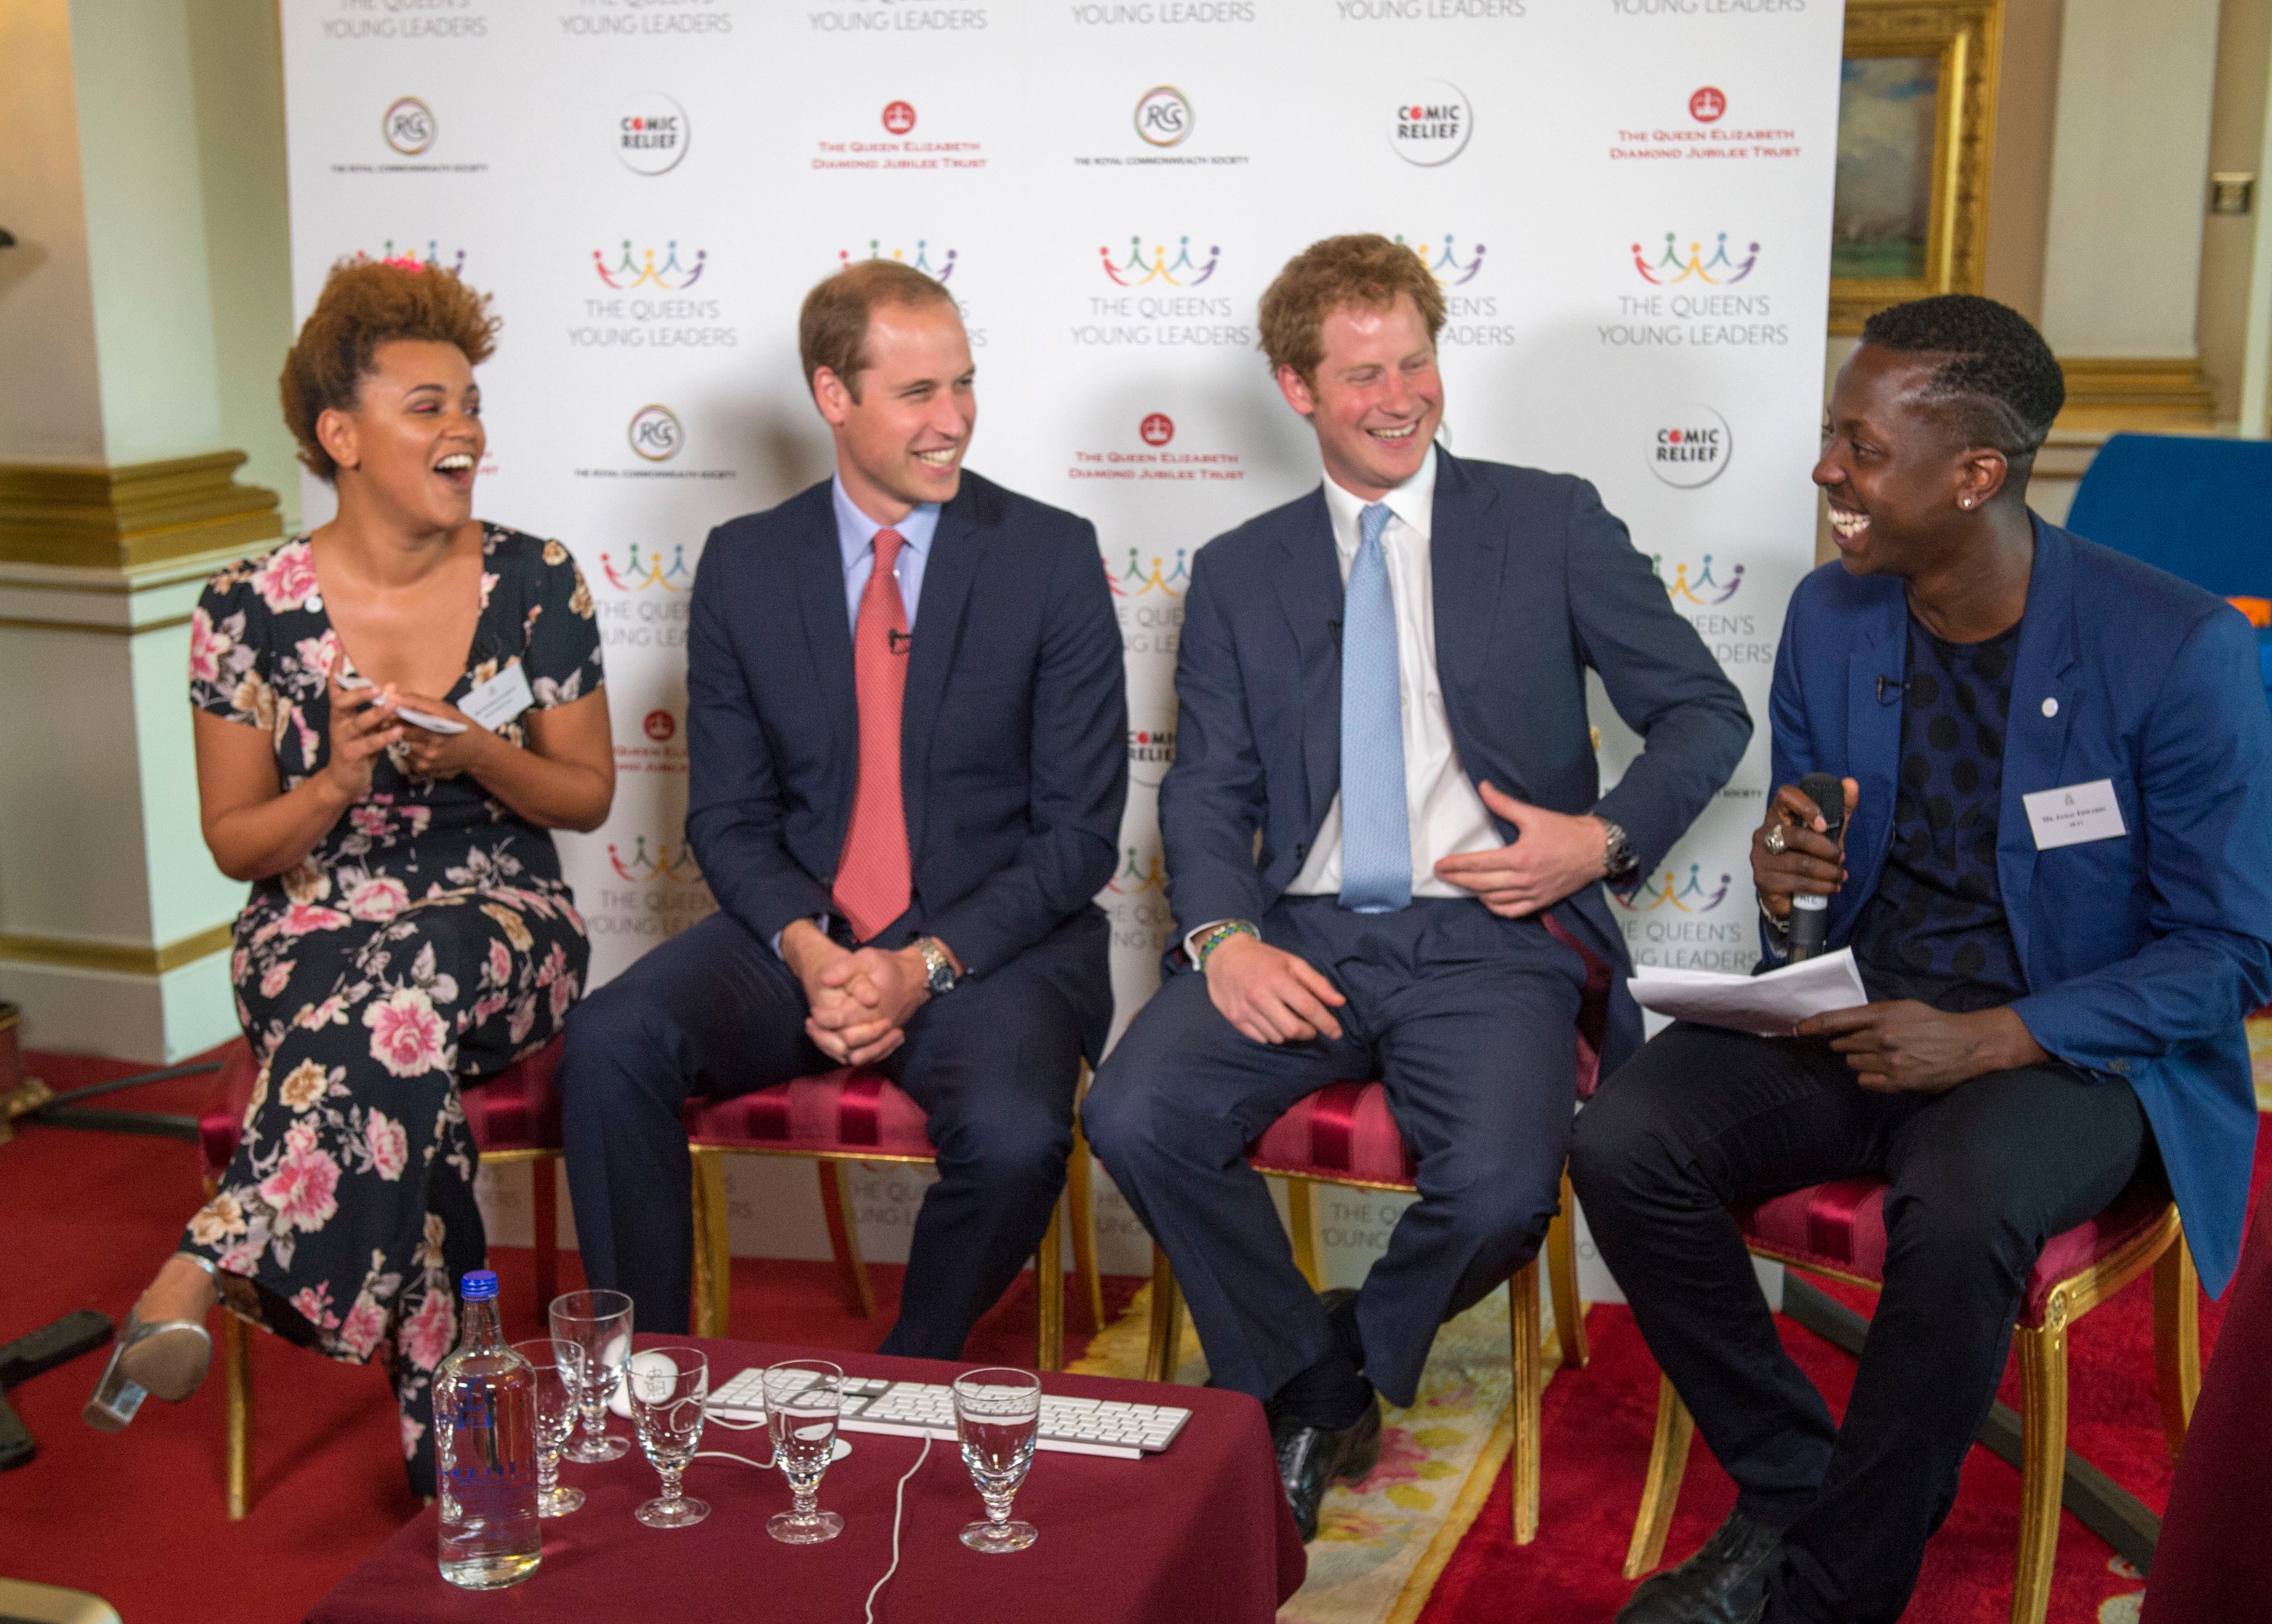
pixel 997 1414
pixel 668 1388
pixel 555 1420
pixel 598 1325
pixel 803 1399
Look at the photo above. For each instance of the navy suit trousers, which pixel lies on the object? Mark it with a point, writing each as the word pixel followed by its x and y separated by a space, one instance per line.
pixel 1469 1020
pixel 713 1011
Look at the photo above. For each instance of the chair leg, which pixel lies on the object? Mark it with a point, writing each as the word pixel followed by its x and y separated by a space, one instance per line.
pixel 1080 1199
pixel 843 1237
pixel 1660 1492
pixel 237 1377
pixel 2042 1453
pixel 2177 1340
pixel 713 1275
pixel 1562 1276
pixel 1302 1219
pixel 1529 1383
pixel 1163 1356
pixel 544 1225
pixel 1049 1293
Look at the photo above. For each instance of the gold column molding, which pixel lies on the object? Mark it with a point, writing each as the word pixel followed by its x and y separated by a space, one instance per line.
pixel 2148 392
pixel 118 958
pixel 131 516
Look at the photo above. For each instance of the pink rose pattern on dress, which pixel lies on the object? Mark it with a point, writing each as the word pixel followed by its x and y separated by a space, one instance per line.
pixel 430 934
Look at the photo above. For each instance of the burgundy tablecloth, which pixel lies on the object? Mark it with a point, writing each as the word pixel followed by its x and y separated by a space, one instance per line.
pixel 1198 1532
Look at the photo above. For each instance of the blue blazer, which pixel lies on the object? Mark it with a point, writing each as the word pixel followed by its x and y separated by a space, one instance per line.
pixel 1014 740
pixel 1534 582
pixel 2144 952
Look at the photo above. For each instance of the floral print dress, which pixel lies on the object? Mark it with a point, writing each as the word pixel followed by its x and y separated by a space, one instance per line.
pixel 428 938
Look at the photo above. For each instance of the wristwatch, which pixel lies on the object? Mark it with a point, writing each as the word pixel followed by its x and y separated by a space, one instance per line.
pixel 1619 853
pixel 938 969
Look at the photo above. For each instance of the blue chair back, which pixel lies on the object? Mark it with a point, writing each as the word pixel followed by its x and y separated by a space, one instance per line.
pixel 2199 508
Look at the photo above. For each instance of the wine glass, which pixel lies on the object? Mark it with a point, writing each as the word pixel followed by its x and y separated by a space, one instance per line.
pixel 598 1325
pixel 803 1399
pixel 997 1413
pixel 668 1387
pixel 555 1420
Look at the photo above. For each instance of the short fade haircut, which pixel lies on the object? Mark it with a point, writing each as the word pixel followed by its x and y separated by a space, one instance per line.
pixel 1999 378
pixel 365 304
pixel 1365 269
pixel 832 329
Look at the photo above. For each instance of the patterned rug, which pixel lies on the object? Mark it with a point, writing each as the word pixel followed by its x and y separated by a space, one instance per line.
pixel 1382 1542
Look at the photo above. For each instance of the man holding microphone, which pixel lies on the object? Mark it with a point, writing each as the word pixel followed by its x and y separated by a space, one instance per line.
pixel 2056 876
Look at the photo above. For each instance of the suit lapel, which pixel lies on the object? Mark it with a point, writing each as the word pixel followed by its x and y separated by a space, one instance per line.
pixel 1873 741
pixel 829 636
pixel 2044 695
pixel 1468 556
pixel 1310 593
pixel 948 573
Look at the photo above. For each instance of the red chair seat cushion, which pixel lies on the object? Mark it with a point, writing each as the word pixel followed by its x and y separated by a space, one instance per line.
pixel 844 1109
pixel 1342 1131
pixel 1840 1227
pixel 519 1109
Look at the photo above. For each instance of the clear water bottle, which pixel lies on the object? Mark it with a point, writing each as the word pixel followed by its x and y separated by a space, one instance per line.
pixel 485 1451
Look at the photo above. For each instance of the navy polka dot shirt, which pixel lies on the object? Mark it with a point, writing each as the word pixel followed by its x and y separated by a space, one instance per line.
pixel 1935 929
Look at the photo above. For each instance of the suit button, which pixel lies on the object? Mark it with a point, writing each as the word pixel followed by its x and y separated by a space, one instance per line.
pixel 1301 854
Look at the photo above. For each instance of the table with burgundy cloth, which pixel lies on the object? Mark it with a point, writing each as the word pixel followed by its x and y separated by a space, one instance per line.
pixel 1201 1531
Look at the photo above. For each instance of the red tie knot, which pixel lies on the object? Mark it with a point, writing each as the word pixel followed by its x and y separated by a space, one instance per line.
pixel 888 542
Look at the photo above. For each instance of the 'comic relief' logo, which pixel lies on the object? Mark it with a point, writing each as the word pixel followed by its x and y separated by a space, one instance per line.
pixel 634 271
pixel 409 126
pixel 1690 447
pixel 1431 124
pixel 1137 272
pixel 1670 270
pixel 1151 752
pixel 940 273
pixel 650 134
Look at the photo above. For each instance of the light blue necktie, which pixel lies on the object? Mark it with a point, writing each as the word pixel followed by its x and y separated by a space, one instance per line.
pixel 1376 829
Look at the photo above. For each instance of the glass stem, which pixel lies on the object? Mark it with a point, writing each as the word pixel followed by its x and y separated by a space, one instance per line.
pixel 997 1508
pixel 670 1493
pixel 804 1498
pixel 548 1474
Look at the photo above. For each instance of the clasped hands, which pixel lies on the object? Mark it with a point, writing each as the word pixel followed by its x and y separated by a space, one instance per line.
pixel 859 1000
pixel 1901 1046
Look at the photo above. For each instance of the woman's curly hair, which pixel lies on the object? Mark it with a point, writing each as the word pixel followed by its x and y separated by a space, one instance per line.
pixel 367 302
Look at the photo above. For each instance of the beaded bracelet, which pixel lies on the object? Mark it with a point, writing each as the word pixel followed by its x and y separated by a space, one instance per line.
pixel 1219 935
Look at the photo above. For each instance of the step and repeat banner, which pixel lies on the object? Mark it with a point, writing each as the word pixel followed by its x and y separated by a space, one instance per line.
pixel 1628 203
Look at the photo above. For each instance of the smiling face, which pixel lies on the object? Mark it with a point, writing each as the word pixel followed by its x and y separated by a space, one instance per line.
pixel 410 445
pixel 1376 399
pixel 900 442
pixel 1902 485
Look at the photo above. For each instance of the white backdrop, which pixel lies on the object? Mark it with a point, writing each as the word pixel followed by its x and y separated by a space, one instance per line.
pixel 1627 201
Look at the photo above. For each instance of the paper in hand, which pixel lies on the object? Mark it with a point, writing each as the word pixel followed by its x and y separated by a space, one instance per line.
pixel 1765 1005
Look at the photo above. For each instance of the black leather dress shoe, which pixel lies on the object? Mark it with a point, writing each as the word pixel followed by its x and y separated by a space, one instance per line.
pixel 1725 1583
pixel 1311 1457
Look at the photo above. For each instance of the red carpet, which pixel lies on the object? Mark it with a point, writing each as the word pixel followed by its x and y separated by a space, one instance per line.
pixel 138 1518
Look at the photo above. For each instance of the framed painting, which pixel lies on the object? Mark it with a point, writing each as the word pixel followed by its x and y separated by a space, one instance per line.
pixel 1916 124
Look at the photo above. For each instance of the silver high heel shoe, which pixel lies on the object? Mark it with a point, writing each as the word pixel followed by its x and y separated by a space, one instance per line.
pixel 167 1358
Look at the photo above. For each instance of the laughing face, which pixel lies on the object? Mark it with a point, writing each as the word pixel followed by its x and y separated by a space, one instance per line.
pixel 412 441
pixel 1376 399
pixel 1898 475
pixel 900 442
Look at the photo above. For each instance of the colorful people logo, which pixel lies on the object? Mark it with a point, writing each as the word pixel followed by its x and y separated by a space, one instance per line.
pixel 1134 583
pixel 922 261
pixel 636 577
pixel 1444 265
pixel 1137 272
pixel 1135 878
pixel 1688 899
pixel 641 272
pixel 1671 270
pixel 675 866
pixel 408 260
pixel 1693 591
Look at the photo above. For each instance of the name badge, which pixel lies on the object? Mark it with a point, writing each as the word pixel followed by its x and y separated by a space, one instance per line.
pixel 500 699
pixel 2073 815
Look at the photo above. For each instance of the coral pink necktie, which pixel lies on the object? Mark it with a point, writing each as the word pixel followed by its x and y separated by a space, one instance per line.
pixel 873 883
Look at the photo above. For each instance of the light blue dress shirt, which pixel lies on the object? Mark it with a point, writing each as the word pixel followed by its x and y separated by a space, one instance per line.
pixel 856 534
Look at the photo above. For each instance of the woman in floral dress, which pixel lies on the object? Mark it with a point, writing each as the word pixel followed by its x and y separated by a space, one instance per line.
pixel 408 926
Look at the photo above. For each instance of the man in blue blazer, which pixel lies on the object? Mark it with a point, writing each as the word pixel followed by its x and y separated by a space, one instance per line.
pixel 1383 835
pixel 2057 882
pixel 906 742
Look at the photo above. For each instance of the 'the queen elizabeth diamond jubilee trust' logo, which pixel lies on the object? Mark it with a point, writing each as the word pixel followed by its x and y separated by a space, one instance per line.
pixel 655 433
pixel 1431 122
pixel 651 133
pixel 409 126
pixel 899 117
pixel 1157 429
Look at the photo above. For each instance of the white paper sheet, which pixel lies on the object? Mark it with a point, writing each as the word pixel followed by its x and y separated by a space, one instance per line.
pixel 1767 1006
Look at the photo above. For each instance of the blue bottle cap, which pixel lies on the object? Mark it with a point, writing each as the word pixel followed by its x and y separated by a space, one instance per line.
pixel 479 1285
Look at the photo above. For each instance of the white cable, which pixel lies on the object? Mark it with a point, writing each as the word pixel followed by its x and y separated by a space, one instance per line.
pixel 899 1506
pixel 721 1454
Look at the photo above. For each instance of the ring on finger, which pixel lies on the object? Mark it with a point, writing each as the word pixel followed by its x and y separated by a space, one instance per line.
pixel 1775 840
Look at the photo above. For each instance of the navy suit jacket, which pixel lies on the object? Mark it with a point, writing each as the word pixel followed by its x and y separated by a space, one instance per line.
pixel 2144 952
pixel 1013 738
pixel 1534 582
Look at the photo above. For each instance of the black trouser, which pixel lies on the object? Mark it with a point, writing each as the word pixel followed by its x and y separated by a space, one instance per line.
pixel 713 1011
pixel 1981 1176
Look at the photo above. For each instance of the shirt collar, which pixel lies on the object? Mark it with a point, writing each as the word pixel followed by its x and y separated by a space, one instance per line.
pixel 1413 502
pixel 856 532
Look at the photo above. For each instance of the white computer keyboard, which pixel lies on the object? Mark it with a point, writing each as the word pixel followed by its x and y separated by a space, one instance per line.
pixel 926 1409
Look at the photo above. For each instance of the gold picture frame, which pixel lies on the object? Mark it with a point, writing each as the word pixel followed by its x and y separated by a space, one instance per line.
pixel 1910 217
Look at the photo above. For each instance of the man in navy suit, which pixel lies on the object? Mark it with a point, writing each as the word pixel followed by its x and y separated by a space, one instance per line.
pixel 2057 881
pixel 907 742
pixel 1385 834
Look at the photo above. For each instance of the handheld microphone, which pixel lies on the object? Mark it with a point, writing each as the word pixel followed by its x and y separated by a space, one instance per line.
pixel 1809 915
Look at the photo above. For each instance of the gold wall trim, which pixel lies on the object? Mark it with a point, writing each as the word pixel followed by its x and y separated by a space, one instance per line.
pixel 9 624
pixel 117 958
pixel 2135 392
pixel 132 516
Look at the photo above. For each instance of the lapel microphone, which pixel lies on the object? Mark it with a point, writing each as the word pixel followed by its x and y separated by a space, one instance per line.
pixel 1809 915
pixel 1901 688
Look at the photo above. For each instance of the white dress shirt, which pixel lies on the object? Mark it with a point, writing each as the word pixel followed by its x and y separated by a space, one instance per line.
pixel 1443 811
